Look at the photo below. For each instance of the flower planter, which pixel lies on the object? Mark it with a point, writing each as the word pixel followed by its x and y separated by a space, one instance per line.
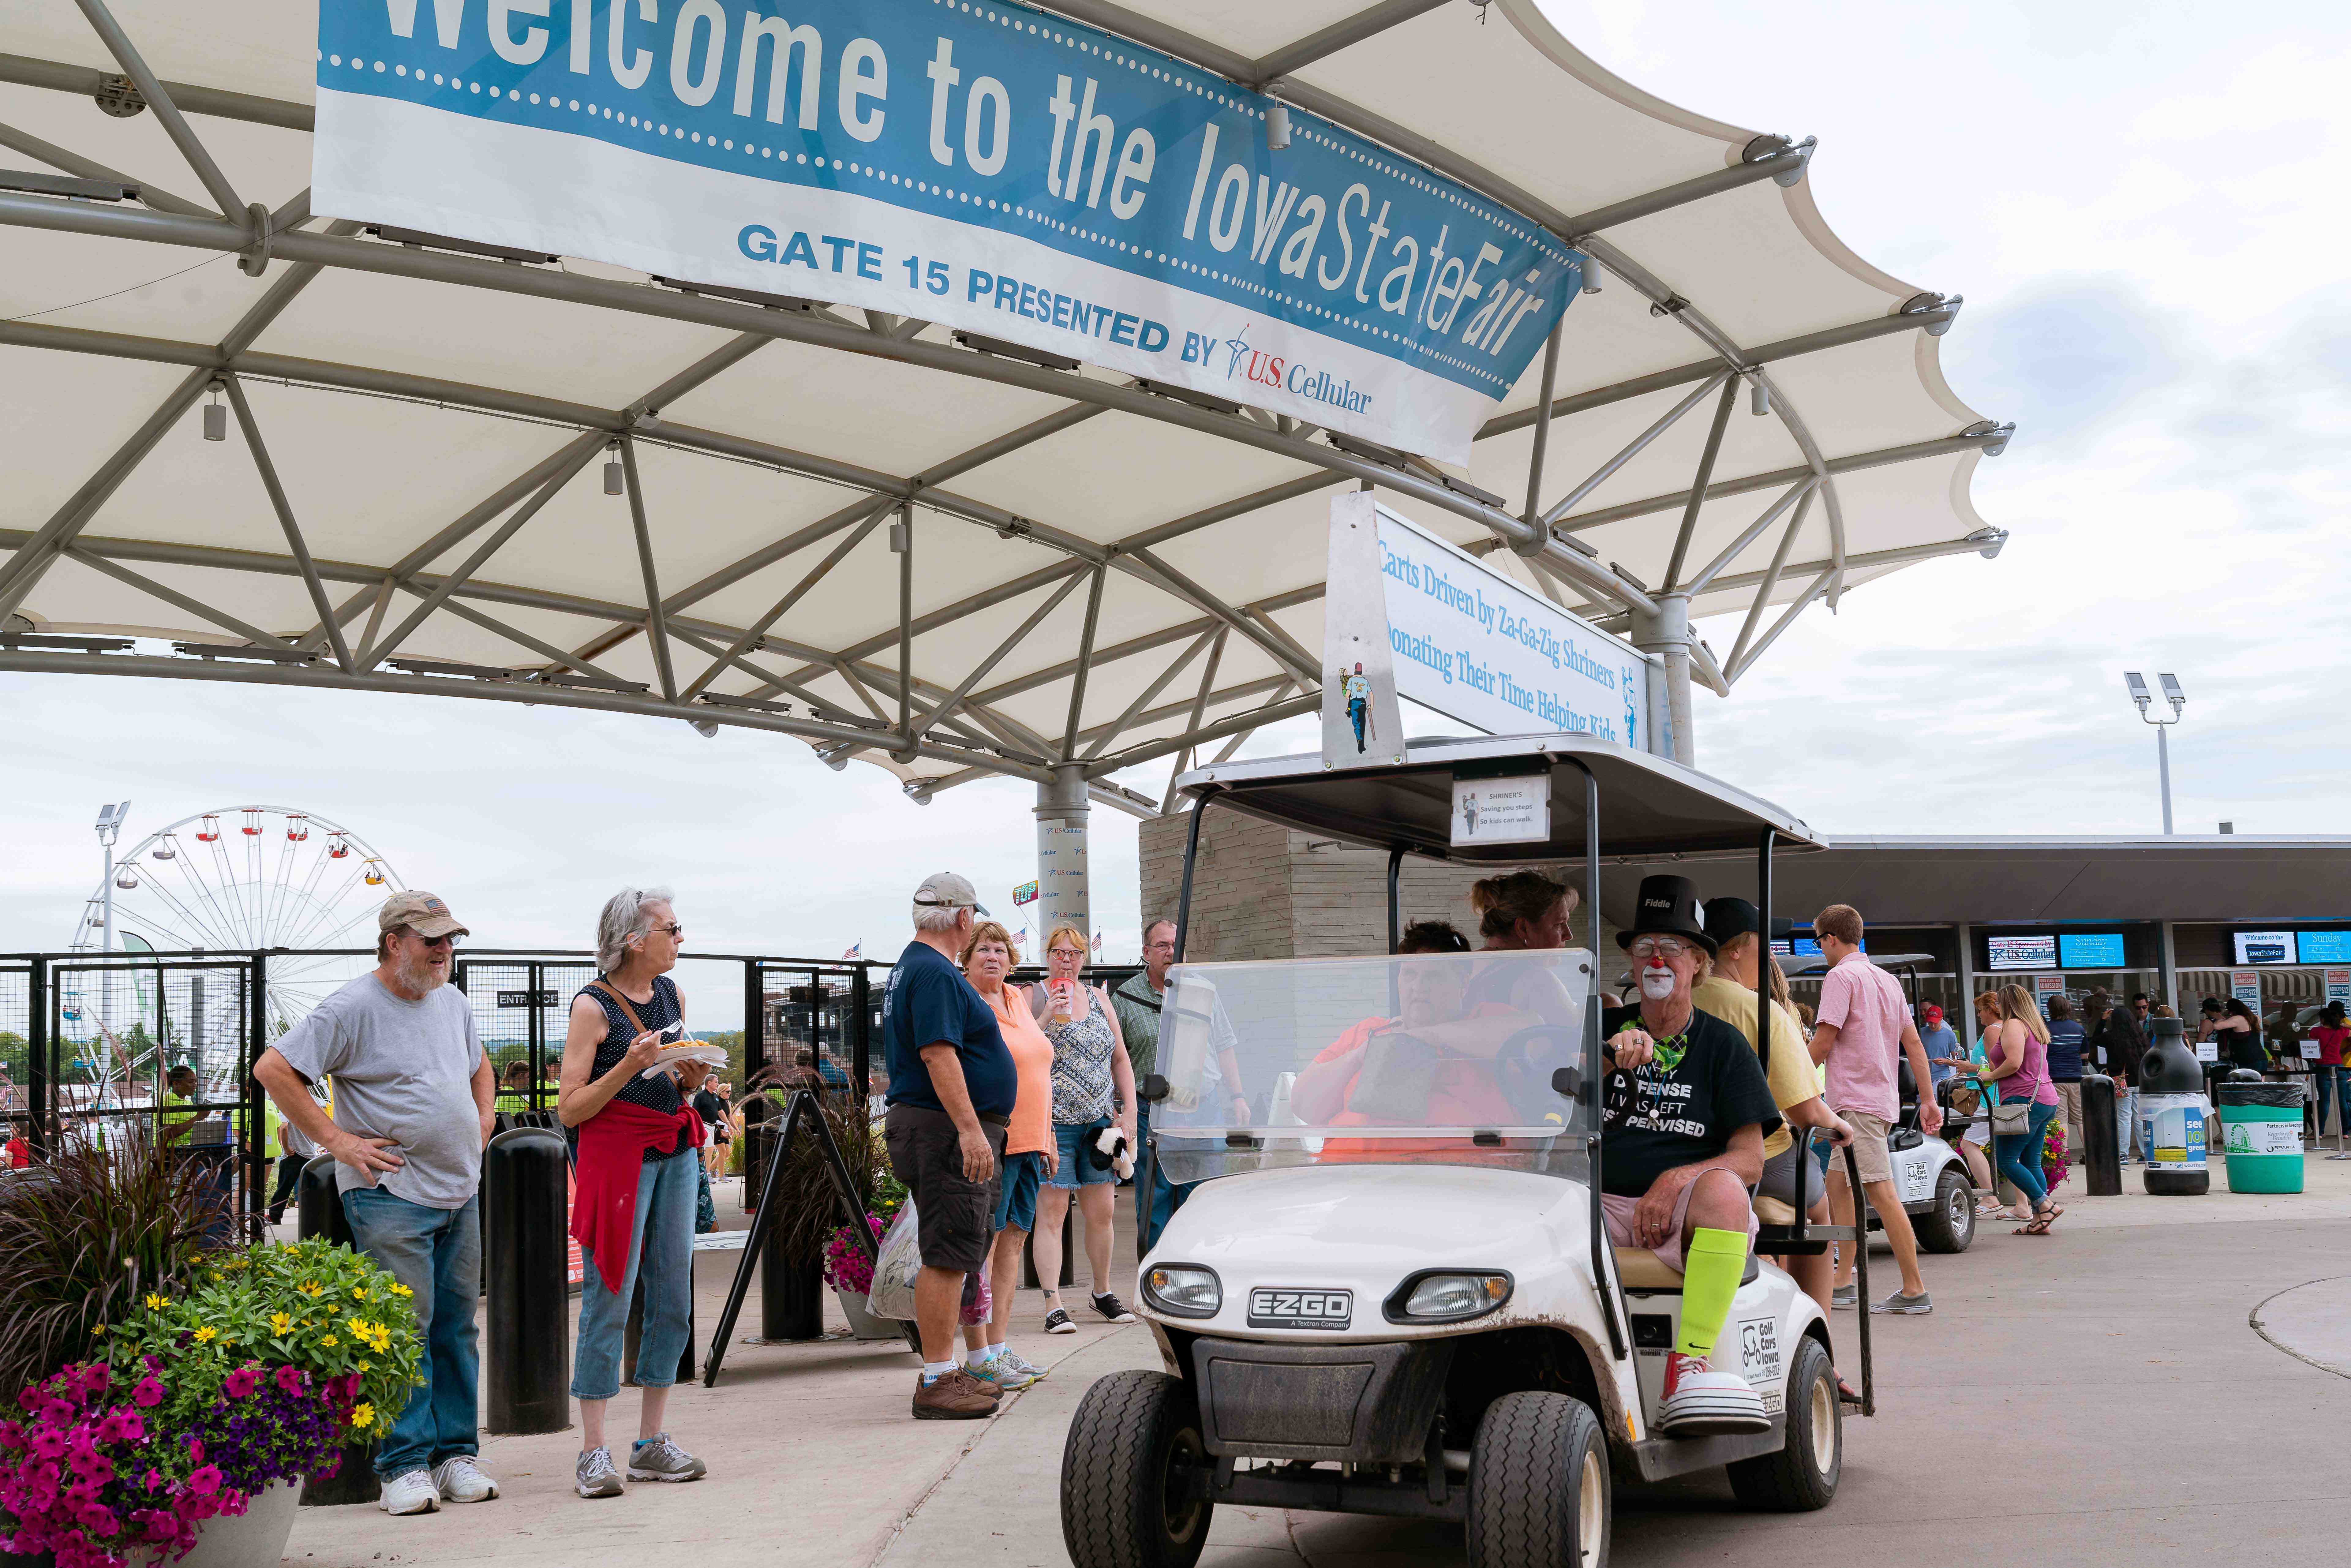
pixel 863 1324
pixel 253 1539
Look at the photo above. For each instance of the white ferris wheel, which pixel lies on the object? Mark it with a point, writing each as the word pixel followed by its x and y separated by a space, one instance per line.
pixel 235 881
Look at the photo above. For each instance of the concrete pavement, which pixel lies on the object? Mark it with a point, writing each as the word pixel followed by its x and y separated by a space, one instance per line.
pixel 2166 1380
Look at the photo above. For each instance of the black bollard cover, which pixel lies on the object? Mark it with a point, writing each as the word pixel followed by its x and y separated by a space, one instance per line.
pixel 2102 1162
pixel 321 1214
pixel 2171 1068
pixel 524 1250
pixel 791 1293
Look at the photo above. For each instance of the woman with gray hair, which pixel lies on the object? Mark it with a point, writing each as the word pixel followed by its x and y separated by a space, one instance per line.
pixel 637 1181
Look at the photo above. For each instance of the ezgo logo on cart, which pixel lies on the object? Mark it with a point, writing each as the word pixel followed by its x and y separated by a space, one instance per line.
pixel 1279 1308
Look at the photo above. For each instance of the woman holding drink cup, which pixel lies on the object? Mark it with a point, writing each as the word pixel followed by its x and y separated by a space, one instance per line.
pixel 1094 1090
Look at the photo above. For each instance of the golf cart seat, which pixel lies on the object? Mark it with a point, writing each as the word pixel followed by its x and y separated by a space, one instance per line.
pixel 1772 1211
pixel 1906 1132
pixel 1642 1269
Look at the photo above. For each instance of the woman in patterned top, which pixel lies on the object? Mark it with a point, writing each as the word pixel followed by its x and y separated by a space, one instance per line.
pixel 1094 1089
pixel 638 1179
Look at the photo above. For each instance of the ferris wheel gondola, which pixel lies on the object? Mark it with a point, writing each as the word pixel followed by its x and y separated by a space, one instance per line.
pixel 270 886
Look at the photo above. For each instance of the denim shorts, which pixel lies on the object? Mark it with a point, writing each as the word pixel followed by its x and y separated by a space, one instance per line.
pixel 1016 1199
pixel 1075 1138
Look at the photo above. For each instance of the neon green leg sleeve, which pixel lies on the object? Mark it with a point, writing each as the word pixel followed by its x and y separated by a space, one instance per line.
pixel 1710 1279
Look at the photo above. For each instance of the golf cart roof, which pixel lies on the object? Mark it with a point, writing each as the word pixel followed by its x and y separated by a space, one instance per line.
pixel 1649 805
pixel 1819 966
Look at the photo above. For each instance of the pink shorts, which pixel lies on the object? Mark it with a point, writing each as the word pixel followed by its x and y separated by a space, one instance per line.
pixel 1619 1214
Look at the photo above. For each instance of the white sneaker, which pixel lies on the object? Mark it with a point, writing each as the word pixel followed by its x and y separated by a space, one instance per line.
pixel 411 1492
pixel 460 1479
pixel 1701 1402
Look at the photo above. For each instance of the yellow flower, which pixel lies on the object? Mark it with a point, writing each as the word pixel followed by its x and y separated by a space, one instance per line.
pixel 97 1328
pixel 358 1294
pixel 400 1289
pixel 362 1414
pixel 206 1335
pixel 280 1323
pixel 365 1366
pixel 332 1308
pixel 311 1289
pixel 155 1303
pixel 329 1341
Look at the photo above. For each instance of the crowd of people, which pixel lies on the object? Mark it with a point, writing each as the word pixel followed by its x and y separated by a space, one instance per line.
pixel 1008 1102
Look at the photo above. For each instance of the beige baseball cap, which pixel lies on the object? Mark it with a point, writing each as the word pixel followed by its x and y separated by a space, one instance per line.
pixel 421 913
pixel 945 890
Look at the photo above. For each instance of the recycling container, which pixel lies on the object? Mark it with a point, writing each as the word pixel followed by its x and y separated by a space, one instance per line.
pixel 2262 1134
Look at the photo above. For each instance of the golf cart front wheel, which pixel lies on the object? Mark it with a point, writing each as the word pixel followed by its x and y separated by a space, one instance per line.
pixel 1132 1474
pixel 1802 1476
pixel 1539 1488
pixel 1950 1225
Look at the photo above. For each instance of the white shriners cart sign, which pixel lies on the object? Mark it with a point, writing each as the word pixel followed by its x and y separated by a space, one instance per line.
pixel 1407 615
pixel 985 166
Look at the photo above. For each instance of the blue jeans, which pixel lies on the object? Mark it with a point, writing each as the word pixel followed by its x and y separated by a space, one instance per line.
pixel 2020 1158
pixel 437 1253
pixel 661 1243
pixel 2125 1120
pixel 2336 1081
pixel 1155 1208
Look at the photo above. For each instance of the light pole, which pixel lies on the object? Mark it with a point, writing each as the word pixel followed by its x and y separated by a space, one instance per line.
pixel 2173 694
pixel 109 828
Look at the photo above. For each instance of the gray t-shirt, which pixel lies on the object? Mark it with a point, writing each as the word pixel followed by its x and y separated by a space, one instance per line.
pixel 402 1071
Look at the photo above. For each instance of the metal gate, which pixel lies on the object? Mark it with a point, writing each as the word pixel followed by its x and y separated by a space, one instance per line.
pixel 824 1011
pixel 520 1006
pixel 93 1046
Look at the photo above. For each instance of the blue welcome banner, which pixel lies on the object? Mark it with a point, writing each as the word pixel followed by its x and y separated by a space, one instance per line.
pixel 985 166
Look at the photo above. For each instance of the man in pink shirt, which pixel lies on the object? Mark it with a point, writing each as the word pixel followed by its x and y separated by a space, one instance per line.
pixel 1863 1030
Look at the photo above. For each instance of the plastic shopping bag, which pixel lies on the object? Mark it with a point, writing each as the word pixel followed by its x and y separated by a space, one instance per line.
pixel 978 1302
pixel 901 1260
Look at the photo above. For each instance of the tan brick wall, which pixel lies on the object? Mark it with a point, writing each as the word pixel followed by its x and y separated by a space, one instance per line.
pixel 1264 892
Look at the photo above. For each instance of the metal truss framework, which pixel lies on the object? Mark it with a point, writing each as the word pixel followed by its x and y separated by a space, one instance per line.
pixel 958 725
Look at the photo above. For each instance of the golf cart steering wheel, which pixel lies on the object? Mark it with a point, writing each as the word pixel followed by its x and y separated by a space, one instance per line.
pixel 1531 1090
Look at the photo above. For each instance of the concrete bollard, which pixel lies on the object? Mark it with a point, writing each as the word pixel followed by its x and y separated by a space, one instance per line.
pixel 2102 1162
pixel 525 1254
pixel 322 1214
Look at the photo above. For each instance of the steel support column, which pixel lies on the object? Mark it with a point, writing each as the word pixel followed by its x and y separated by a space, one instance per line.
pixel 1666 634
pixel 1062 807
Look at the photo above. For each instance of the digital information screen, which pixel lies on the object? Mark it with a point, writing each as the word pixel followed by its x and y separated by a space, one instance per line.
pixel 2265 947
pixel 1802 949
pixel 2325 947
pixel 2089 949
pixel 2022 952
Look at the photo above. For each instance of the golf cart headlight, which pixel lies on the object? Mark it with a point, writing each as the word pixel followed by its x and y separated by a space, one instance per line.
pixel 1441 1298
pixel 1183 1290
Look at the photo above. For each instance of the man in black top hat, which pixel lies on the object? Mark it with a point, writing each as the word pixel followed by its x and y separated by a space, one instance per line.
pixel 1684 1114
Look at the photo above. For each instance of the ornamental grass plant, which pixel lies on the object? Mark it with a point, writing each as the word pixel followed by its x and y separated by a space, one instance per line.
pixel 198 1400
pixel 84 1236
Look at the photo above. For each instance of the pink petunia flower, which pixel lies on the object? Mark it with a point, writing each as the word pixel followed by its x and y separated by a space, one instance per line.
pixel 95 1377
pixel 148 1394
pixel 241 1382
pixel 12 1435
pixel 291 1379
pixel 206 1480
pixel 47 1443
pixel 195 1450
pixel 58 1413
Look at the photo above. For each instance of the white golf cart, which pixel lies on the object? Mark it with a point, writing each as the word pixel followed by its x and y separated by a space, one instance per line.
pixel 1392 1292
pixel 1938 1191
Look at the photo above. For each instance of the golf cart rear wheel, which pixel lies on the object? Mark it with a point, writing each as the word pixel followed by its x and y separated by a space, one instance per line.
pixel 1802 1475
pixel 1539 1493
pixel 1950 1225
pixel 1132 1474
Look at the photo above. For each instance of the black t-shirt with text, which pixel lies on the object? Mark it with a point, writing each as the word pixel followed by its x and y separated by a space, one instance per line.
pixel 1704 1085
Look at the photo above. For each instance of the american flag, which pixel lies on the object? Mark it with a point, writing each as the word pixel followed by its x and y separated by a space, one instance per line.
pixel 856 951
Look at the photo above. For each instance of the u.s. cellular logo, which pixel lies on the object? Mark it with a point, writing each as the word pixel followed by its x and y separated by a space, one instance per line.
pixel 1238 361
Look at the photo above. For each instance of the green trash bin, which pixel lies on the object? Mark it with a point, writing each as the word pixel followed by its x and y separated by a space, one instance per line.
pixel 2261 1124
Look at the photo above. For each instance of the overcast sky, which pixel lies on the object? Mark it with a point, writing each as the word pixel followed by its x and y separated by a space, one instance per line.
pixel 2143 211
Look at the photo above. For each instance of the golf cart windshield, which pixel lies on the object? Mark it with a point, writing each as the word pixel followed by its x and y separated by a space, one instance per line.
pixel 1430 1059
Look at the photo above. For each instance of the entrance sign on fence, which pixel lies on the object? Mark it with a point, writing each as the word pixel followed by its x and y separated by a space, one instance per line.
pixel 2339 985
pixel 983 166
pixel 2245 985
pixel 1405 614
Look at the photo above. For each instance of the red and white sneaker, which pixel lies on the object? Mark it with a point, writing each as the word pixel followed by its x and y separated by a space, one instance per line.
pixel 1701 1402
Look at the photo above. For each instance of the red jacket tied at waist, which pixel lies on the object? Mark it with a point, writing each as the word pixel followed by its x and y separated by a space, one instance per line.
pixel 612 1145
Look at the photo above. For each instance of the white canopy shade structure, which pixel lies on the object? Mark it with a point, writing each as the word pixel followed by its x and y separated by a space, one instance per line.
pixel 437 467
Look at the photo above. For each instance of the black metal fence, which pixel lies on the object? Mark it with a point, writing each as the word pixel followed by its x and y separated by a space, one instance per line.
pixel 90 1044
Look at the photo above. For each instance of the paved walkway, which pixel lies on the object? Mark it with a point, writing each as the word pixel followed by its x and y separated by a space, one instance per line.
pixel 2159 1382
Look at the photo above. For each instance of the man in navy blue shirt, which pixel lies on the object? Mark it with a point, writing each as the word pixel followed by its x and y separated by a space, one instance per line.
pixel 950 1099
